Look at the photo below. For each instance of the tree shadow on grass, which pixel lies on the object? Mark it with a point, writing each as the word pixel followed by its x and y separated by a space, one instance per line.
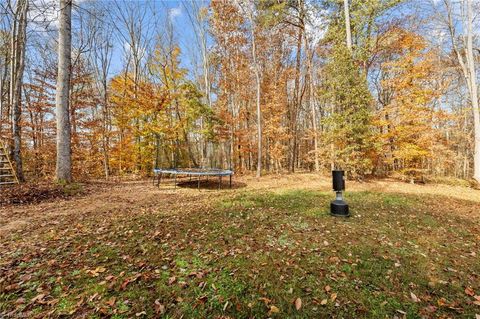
pixel 211 184
pixel 393 246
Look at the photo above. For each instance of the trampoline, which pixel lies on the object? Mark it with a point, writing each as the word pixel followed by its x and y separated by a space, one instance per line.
pixel 192 172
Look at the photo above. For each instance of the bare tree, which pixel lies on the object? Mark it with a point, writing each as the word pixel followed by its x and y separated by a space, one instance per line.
pixel 197 17
pixel 17 65
pixel 249 10
pixel 256 69
pixel 101 57
pixel 5 24
pixel 310 45
pixel 64 159
pixel 136 28
pixel 465 59
pixel 472 75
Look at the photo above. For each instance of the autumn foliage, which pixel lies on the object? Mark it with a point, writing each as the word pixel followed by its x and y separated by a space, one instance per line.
pixel 391 105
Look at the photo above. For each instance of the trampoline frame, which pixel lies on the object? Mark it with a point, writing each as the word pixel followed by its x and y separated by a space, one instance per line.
pixel 190 172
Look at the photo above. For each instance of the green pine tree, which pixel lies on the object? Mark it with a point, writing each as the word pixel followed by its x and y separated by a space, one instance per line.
pixel 349 124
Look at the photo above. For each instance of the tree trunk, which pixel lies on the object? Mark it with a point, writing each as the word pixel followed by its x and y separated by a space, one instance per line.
pixel 102 59
pixel 297 101
pixel 105 131
pixel 206 78
pixel 64 159
pixel 311 101
pixel 474 93
pixel 347 24
pixel 3 81
pixel 259 114
pixel 18 50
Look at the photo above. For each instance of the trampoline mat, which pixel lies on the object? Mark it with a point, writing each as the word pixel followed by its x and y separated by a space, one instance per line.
pixel 194 171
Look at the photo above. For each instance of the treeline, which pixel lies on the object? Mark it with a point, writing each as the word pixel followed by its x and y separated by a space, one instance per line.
pixel 383 87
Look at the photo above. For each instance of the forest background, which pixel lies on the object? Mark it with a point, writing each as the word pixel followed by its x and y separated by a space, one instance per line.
pixel 377 87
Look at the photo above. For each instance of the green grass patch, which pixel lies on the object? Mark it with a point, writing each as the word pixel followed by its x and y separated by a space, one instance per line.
pixel 251 255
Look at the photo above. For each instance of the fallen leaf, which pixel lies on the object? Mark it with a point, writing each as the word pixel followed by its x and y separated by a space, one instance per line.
pixel 324 302
pixel 12 287
pixel 143 313
pixel 469 291
pixel 273 309
pixel 333 296
pixel 97 271
pixel 334 259
pixel 414 297
pixel 52 302
pixel 327 288
pixel 431 308
pixel 111 301
pixel 92 297
pixel 172 280
pixel 159 308
pixel 125 283
pixel 129 280
pixel 298 303
pixel 38 298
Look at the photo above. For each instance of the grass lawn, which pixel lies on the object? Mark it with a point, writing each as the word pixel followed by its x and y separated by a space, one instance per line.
pixel 269 249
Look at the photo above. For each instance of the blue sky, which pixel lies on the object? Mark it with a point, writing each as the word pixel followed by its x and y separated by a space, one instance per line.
pixel 175 12
pixel 44 23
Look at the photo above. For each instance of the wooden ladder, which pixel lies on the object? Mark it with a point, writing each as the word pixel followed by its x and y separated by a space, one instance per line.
pixel 7 173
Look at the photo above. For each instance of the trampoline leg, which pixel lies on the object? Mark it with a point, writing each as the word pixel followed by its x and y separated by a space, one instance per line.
pixel 159 179
pixel 198 183
pixel 219 181
pixel 154 177
pixel 230 181
pixel 175 181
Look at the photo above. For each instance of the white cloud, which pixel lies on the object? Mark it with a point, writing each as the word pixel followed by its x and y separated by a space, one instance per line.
pixel 44 13
pixel 174 12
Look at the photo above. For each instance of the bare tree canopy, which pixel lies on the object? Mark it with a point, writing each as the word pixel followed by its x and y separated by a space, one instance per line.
pixel 379 88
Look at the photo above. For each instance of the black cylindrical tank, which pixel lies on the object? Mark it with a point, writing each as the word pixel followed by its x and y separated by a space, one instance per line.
pixel 338 180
